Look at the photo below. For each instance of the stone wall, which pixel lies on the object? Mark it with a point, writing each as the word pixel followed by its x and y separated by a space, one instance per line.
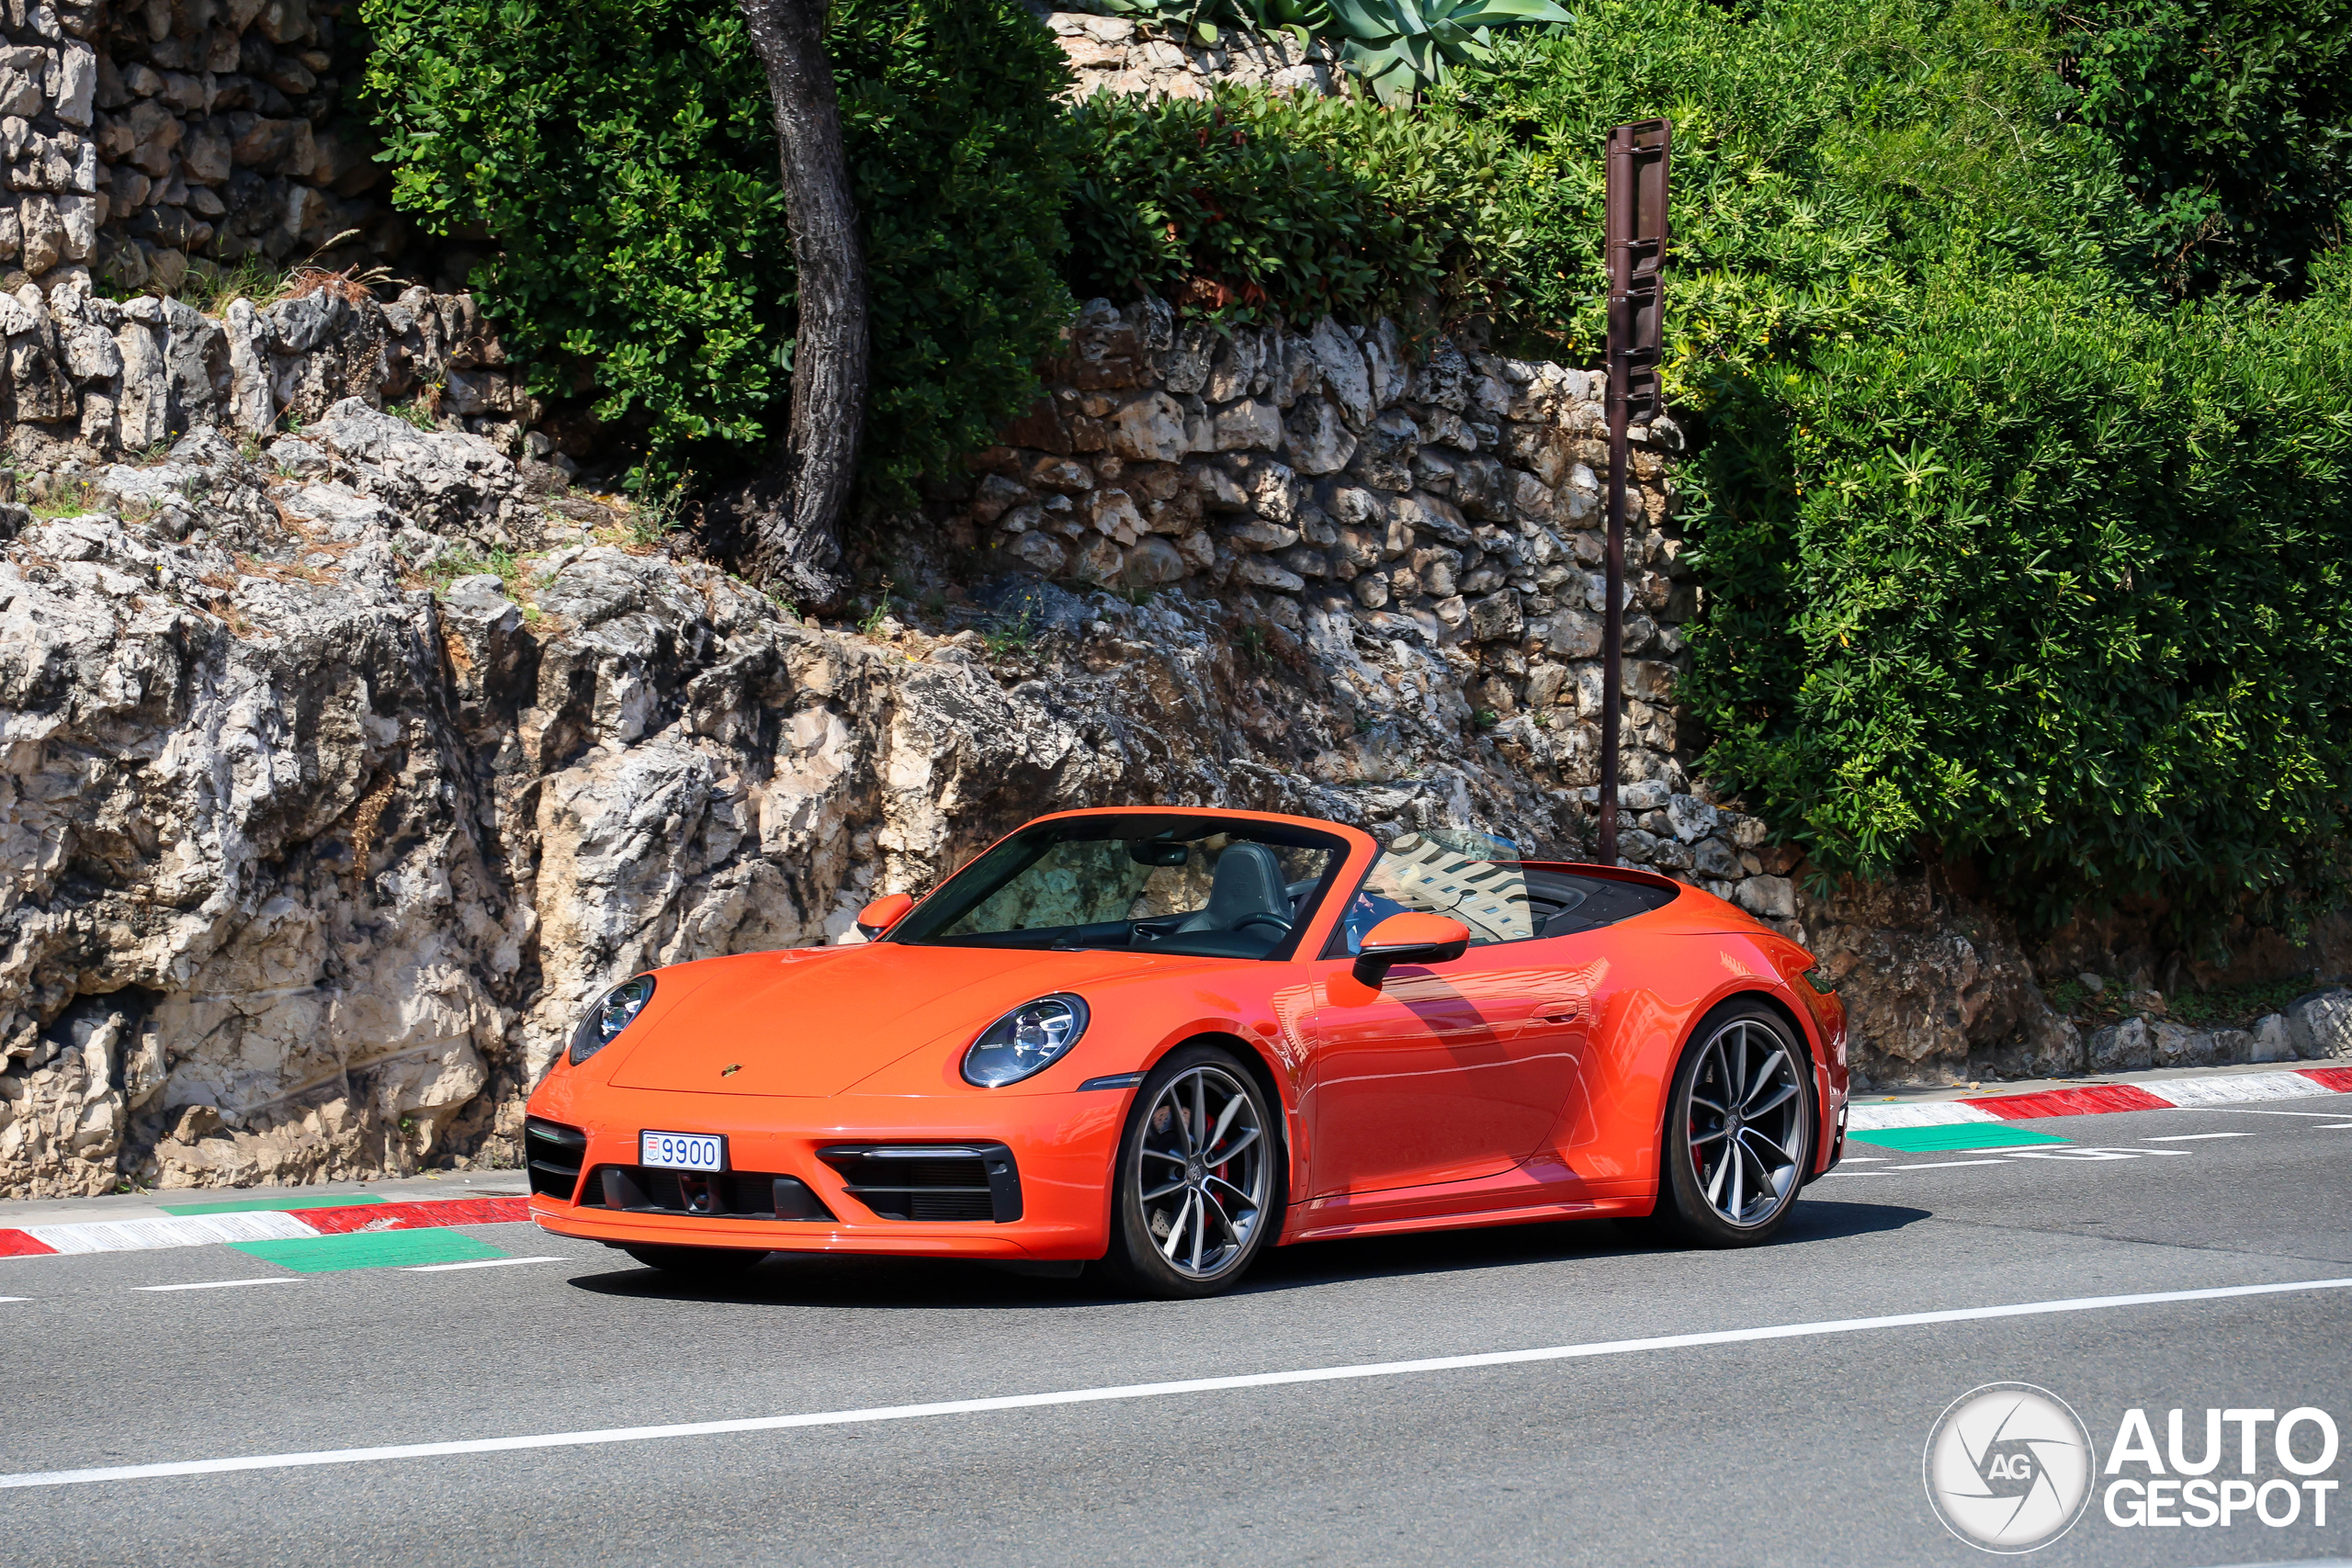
pixel 88 377
pixel 139 137
pixel 1113 54
pixel 1444 506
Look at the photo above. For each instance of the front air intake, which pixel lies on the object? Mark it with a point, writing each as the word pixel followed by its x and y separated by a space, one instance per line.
pixel 718 1195
pixel 553 1154
pixel 930 1182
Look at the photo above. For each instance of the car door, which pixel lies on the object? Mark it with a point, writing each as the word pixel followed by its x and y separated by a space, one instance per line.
pixel 1443 1073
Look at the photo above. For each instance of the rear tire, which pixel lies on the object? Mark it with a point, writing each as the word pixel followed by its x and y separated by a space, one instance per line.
pixel 1739 1129
pixel 1188 1220
pixel 697 1262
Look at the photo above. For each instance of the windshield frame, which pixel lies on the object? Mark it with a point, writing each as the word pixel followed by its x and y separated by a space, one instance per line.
pixel 979 879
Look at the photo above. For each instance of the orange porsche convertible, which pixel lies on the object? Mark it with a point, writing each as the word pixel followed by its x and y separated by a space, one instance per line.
pixel 1164 1038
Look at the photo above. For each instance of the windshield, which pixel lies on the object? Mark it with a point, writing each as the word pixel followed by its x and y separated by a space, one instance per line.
pixel 1190 884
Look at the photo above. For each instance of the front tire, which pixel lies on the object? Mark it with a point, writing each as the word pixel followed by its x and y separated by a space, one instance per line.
pixel 1198 1181
pixel 1739 1129
pixel 697 1262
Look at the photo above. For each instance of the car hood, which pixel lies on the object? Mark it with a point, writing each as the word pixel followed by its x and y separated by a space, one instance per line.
pixel 815 1021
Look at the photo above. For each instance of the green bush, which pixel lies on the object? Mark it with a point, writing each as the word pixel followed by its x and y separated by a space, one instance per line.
pixel 2233 121
pixel 2003 558
pixel 2049 581
pixel 622 155
pixel 1828 153
pixel 1251 203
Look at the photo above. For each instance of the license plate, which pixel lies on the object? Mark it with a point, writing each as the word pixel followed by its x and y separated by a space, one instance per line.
pixel 681 1151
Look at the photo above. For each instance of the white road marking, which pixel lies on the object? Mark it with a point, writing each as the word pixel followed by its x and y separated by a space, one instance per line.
pixel 1863 1160
pixel 2088 1152
pixel 223 1284
pixel 2243 1110
pixel 2193 1137
pixel 479 1263
pixel 15 1298
pixel 2333 1127
pixel 1148 1389
pixel 1944 1164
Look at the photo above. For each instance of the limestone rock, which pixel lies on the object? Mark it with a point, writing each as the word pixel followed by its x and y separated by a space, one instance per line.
pixel 2175 1046
pixel 2272 1040
pixel 2128 1046
pixel 2321 1024
pixel 444 477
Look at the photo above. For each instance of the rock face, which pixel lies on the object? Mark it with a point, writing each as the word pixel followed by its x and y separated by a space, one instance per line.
pixel 1936 984
pixel 318 844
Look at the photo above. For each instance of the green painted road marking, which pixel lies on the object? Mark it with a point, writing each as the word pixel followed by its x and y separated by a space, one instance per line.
pixel 368 1249
pixel 271 1206
pixel 1958 1135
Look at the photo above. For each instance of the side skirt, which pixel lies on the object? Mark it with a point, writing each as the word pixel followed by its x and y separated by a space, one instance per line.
pixel 1531 1214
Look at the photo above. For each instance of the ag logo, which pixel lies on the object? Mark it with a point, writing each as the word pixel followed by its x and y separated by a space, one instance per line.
pixel 2008 1466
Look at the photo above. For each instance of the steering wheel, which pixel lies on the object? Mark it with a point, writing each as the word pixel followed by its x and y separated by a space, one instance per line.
pixel 1282 927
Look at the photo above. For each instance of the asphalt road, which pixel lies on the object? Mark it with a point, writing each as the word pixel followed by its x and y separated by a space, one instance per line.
pixel 1800 1449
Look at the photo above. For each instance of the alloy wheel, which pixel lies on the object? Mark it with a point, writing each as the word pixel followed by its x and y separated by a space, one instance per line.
pixel 1746 1130
pixel 1203 1173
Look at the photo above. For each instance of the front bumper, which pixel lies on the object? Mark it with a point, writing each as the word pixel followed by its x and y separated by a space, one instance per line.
pixel 1062 1146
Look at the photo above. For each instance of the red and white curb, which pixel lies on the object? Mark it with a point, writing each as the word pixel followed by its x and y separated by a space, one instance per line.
pixel 267 1224
pixel 2092 1100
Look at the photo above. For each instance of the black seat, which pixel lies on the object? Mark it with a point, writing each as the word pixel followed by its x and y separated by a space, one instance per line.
pixel 1248 882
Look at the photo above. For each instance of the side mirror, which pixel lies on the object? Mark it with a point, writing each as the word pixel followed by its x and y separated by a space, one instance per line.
pixel 883 913
pixel 1410 938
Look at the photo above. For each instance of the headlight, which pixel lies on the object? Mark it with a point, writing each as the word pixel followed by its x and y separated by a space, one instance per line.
pixel 608 1018
pixel 1025 1042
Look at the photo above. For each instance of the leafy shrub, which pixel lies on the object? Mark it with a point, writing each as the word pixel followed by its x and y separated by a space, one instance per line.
pixel 2049 581
pixel 1828 153
pixel 2002 558
pixel 622 155
pixel 1249 202
pixel 2233 120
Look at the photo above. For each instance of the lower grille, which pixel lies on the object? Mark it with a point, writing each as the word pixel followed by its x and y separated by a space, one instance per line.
pixel 719 1195
pixel 923 1181
pixel 553 1153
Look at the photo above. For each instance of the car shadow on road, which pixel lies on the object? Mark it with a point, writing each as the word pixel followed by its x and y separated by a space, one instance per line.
pixel 815 1281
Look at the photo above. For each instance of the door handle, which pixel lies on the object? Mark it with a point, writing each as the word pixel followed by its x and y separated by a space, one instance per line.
pixel 1559 1012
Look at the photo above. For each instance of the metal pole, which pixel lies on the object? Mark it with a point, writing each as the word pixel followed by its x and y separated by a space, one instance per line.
pixel 1613 622
pixel 1617 228
pixel 1634 245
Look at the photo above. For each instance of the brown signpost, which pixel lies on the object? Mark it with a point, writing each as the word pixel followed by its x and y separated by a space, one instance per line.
pixel 1639 154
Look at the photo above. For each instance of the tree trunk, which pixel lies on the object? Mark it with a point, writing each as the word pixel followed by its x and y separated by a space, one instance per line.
pixel 799 529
